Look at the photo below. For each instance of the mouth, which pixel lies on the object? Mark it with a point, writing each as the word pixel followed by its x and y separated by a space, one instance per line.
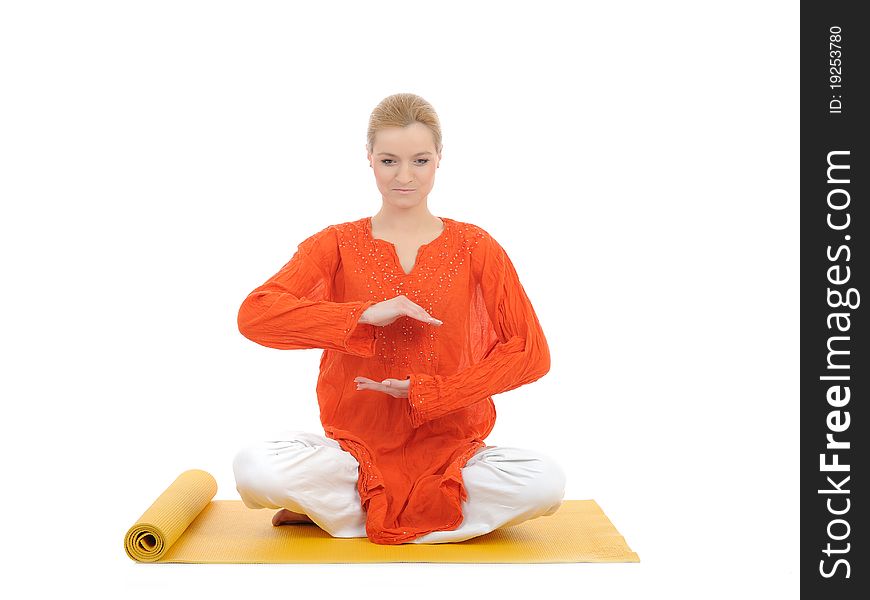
pixel 402 190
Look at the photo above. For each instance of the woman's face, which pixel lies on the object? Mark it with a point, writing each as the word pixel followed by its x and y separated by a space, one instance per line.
pixel 404 158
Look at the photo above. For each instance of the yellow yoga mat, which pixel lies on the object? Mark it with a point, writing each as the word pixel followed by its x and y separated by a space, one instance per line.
pixel 184 525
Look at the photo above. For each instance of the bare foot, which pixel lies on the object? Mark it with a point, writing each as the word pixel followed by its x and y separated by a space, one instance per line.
pixel 284 516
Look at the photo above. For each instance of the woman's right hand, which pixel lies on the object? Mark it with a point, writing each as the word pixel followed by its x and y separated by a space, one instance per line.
pixel 384 313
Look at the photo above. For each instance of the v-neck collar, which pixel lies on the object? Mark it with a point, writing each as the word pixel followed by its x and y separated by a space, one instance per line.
pixel 420 251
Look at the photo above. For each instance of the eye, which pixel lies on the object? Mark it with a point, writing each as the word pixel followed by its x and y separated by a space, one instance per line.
pixel 389 161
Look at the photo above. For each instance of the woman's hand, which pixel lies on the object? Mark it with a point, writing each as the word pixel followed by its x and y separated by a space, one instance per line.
pixel 394 387
pixel 384 313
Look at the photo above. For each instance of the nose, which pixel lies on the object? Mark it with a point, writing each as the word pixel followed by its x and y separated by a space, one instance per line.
pixel 405 177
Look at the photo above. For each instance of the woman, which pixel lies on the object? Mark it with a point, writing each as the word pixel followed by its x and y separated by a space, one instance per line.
pixel 422 320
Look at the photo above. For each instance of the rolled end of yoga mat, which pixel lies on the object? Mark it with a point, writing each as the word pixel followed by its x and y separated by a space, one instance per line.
pixel 167 518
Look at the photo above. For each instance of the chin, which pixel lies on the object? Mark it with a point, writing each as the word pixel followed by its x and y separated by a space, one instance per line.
pixel 403 202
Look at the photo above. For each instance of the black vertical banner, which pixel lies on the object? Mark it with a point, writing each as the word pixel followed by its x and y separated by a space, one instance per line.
pixel 834 369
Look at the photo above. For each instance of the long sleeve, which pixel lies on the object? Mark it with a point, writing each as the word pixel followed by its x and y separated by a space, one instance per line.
pixel 293 309
pixel 520 356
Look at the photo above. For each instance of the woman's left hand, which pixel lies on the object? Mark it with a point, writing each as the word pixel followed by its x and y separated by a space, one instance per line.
pixel 394 387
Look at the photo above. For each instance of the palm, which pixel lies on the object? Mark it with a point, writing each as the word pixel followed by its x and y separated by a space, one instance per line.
pixel 397 388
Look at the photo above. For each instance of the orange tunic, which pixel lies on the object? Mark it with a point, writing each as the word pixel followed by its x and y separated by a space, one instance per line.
pixel 410 450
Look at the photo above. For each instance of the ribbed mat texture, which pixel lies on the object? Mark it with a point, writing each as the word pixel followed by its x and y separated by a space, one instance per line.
pixel 184 525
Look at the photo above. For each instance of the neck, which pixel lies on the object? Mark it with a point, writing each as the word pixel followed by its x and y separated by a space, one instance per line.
pixel 413 219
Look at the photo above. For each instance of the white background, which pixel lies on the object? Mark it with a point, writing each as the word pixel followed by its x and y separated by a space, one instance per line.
pixel 637 160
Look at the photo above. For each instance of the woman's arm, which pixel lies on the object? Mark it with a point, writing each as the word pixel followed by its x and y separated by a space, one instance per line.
pixel 293 309
pixel 520 356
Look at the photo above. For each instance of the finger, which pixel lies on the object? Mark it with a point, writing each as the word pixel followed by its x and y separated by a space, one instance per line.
pixel 426 318
pixel 364 382
pixel 429 318
pixel 418 312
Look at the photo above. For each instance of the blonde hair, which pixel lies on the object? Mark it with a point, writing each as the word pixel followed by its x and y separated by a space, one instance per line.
pixel 401 110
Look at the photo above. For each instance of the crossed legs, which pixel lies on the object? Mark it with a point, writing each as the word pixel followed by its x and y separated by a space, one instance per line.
pixel 312 479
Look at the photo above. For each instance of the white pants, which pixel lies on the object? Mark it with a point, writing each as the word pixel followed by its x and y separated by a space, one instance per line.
pixel 311 474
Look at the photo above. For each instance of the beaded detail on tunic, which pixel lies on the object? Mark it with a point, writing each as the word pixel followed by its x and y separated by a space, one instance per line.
pixel 427 284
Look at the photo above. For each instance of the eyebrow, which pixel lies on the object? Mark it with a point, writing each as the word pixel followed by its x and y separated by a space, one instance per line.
pixel 388 154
